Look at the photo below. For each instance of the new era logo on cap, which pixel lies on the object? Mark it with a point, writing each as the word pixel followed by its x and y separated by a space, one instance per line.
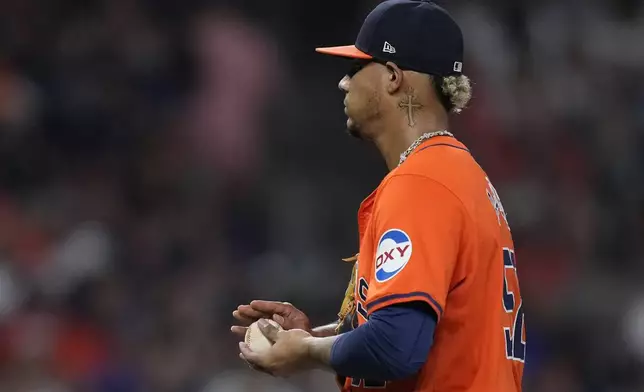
pixel 388 48
pixel 428 39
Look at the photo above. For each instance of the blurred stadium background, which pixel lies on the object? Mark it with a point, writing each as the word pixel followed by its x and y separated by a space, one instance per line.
pixel 163 161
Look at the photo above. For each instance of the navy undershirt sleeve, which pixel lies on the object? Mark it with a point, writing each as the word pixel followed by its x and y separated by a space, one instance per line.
pixel 392 345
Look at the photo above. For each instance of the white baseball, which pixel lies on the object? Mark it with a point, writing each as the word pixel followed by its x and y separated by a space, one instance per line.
pixel 256 339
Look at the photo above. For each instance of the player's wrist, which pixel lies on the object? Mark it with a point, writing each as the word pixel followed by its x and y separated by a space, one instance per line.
pixel 309 344
pixel 318 350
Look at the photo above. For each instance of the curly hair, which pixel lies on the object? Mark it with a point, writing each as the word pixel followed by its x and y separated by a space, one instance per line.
pixel 454 92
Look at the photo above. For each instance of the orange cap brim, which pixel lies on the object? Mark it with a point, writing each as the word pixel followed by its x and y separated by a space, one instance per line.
pixel 344 51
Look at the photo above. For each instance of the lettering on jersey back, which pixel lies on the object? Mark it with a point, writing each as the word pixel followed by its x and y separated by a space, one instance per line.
pixel 494 198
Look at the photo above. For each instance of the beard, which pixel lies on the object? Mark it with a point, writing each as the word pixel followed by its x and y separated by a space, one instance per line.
pixel 354 130
pixel 367 113
pixel 354 133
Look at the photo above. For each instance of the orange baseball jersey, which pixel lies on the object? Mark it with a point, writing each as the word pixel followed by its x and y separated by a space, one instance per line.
pixel 435 231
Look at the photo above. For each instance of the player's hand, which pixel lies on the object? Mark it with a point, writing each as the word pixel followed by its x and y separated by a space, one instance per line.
pixel 288 354
pixel 284 313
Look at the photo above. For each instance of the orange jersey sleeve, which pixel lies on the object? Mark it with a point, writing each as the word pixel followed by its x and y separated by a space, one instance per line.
pixel 417 227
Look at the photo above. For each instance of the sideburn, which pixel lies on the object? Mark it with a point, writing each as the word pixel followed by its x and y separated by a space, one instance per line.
pixel 373 105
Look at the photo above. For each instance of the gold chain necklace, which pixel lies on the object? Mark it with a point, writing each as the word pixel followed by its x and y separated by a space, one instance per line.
pixel 421 139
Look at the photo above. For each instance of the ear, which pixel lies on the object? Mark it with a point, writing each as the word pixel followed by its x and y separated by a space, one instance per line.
pixel 394 77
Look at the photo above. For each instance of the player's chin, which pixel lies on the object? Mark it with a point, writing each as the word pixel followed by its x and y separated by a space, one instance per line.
pixel 353 129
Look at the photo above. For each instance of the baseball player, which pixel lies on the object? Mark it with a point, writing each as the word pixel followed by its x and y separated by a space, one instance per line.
pixel 434 304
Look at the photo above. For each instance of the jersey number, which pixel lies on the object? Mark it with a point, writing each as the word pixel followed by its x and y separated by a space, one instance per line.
pixel 363 289
pixel 366 384
pixel 512 303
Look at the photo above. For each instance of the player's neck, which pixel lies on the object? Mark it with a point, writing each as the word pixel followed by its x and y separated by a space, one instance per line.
pixel 397 136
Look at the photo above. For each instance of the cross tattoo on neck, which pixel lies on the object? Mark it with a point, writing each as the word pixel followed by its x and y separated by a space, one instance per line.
pixel 409 105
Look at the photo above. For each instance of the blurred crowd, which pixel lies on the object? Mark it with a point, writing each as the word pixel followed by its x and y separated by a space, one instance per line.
pixel 162 162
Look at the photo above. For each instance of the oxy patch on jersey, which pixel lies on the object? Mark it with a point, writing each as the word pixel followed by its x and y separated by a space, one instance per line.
pixel 394 252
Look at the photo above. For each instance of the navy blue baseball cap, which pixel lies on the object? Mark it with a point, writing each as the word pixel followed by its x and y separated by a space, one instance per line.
pixel 417 35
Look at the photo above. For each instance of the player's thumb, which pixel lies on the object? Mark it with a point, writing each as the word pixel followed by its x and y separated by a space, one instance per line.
pixel 279 319
pixel 269 330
